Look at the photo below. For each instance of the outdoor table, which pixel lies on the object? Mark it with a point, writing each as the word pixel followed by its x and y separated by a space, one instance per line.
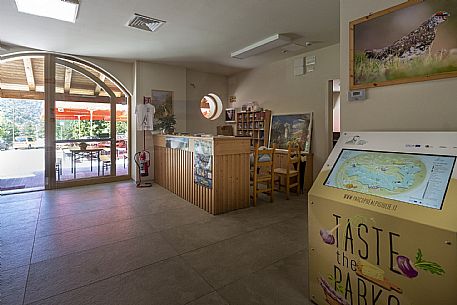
pixel 91 151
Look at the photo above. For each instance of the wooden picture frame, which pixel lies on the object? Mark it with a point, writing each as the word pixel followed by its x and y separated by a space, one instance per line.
pixel 163 103
pixel 291 128
pixel 383 51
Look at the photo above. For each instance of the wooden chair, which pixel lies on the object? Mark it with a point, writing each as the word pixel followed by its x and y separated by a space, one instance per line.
pixel 58 168
pixel 262 172
pixel 291 171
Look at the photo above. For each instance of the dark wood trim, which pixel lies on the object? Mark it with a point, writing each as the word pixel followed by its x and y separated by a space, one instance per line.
pixel 50 119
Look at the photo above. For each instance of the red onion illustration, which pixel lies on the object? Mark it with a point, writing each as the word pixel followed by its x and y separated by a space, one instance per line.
pixel 327 236
pixel 404 264
pixel 409 269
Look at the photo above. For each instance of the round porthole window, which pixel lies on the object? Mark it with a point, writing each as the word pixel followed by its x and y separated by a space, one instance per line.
pixel 211 106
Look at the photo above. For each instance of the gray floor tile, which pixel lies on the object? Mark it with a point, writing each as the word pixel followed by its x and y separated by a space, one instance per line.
pixel 17 233
pixel 177 217
pixel 232 259
pixel 15 298
pixel 295 229
pixel 19 218
pixel 78 206
pixel 192 236
pixel 266 214
pixel 73 222
pixel 16 255
pixel 12 207
pixel 284 282
pixel 72 271
pixel 159 205
pixel 167 282
pixel 81 193
pixel 116 244
pixel 164 283
pixel 12 282
pixel 210 299
pixel 70 242
pixel 106 292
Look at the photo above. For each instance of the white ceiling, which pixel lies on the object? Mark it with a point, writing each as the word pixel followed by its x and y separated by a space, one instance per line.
pixel 199 34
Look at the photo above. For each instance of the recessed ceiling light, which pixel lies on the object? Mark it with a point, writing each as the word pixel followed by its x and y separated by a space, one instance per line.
pixel 65 10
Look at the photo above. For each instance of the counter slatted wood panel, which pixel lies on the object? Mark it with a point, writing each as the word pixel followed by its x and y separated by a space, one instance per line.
pixel 174 170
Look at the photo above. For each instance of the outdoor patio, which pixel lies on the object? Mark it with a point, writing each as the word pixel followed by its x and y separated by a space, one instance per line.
pixel 24 169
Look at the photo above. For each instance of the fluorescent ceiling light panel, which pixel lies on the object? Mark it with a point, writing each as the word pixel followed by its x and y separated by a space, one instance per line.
pixel 65 10
pixel 272 42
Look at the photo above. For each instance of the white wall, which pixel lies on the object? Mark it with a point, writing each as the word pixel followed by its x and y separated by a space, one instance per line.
pixel 200 84
pixel 149 76
pixel 275 87
pixel 424 106
pixel 163 77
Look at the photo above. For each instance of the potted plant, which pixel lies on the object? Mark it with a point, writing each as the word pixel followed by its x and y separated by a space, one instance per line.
pixel 167 124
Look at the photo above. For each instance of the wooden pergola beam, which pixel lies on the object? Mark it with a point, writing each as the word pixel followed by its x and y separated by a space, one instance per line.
pixel 29 73
pixel 88 74
pixel 97 87
pixel 16 94
pixel 67 84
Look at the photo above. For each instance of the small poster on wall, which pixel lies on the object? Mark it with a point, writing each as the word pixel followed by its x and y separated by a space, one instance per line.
pixel 203 163
pixel 230 115
pixel 291 129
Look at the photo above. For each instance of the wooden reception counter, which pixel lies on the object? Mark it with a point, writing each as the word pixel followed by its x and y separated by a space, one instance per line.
pixel 210 172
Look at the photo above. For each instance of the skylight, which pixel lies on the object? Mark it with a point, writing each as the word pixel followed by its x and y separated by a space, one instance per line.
pixel 65 10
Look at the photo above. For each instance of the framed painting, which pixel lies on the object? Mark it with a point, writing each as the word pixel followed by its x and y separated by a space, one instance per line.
pixel 411 42
pixel 291 129
pixel 163 103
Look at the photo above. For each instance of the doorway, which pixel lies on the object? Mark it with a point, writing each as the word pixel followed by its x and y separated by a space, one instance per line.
pixel 72 129
pixel 333 118
pixel 22 157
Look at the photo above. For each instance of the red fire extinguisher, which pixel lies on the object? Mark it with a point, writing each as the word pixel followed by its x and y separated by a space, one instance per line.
pixel 143 162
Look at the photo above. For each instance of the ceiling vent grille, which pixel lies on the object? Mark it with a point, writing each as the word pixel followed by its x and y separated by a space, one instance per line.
pixel 145 23
pixel 76 2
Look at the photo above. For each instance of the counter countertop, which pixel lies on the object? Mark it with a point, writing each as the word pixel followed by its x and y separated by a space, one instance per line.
pixel 206 137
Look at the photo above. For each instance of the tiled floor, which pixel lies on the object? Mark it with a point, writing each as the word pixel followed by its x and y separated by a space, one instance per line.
pixel 115 244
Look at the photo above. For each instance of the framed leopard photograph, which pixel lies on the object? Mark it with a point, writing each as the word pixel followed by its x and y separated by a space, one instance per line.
pixel 411 42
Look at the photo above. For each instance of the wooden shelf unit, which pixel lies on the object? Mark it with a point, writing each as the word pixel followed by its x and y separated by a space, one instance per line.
pixel 254 124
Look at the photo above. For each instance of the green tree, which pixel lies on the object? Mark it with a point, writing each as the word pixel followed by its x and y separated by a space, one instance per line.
pixel 29 130
pixel 121 128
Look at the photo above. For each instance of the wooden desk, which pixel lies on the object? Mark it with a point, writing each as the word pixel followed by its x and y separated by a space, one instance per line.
pixel 174 170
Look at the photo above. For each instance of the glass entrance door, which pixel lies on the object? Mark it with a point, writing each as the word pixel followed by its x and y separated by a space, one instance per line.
pixel 22 136
pixel 62 120
pixel 83 140
pixel 91 126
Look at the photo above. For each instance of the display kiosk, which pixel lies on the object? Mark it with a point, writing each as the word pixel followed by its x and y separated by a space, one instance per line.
pixel 383 221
